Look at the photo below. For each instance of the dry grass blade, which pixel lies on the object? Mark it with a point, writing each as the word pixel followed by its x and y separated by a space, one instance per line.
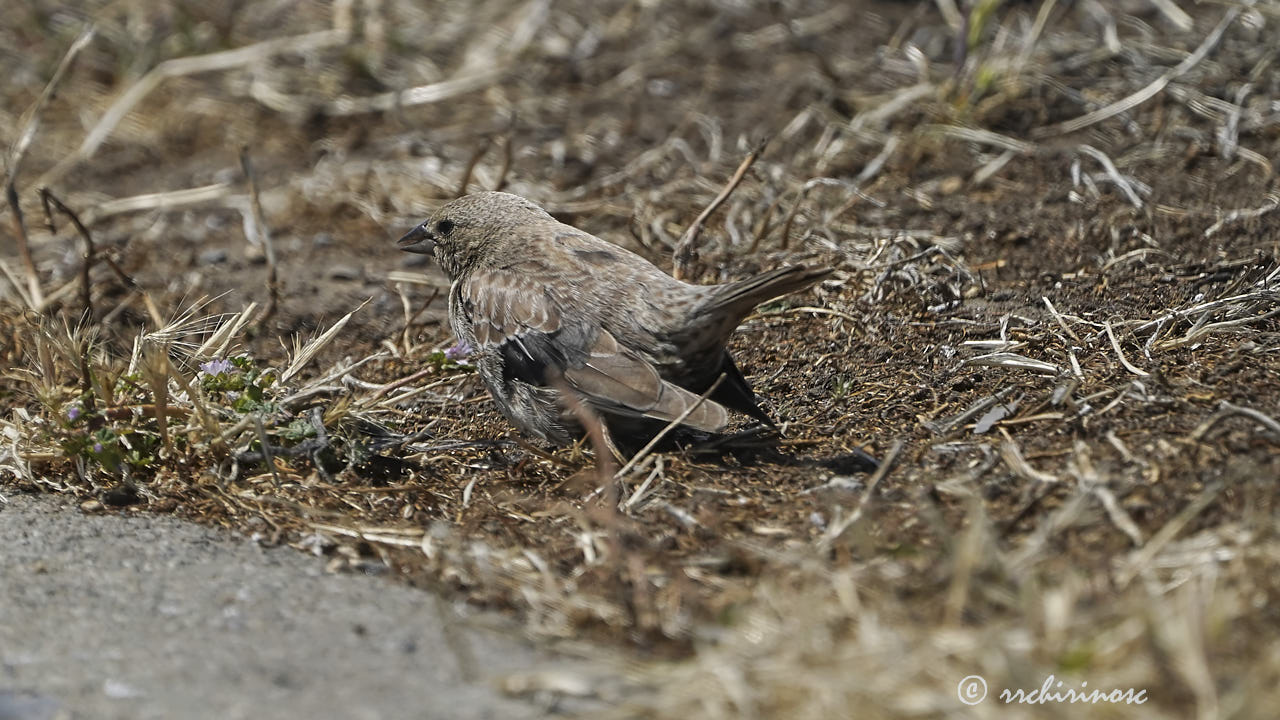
pixel 218 343
pixel 1151 90
pixel 263 232
pixel 168 200
pixel 1014 361
pixel 524 23
pixel 686 253
pixel 1115 345
pixel 19 149
pixel 178 67
pixel 309 351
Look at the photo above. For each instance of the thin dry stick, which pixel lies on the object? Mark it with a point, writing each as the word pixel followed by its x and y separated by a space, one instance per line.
pixel 596 433
pixel 19 151
pixel 48 199
pixel 471 165
pixel 686 254
pixel 1109 167
pixel 508 156
pixel 396 384
pixel 267 453
pixel 1235 215
pixel 785 241
pixel 1148 92
pixel 644 451
pixel 766 224
pixel 259 221
pixel 411 317
pixel 835 531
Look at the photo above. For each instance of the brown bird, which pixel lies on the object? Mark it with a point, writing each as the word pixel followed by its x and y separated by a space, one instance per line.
pixel 545 307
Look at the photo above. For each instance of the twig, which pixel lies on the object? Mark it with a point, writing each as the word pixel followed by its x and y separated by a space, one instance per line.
pixel 47 198
pixel 19 151
pixel 596 433
pixel 643 488
pixel 685 253
pixel 264 232
pixel 946 425
pixel 508 157
pixel 670 426
pixel 1174 14
pixel 1013 458
pixel 168 200
pixel 981 137
pixel 836 530
pixel 384 389
pixel 471 165
pixel 1148 92
pixel 268 453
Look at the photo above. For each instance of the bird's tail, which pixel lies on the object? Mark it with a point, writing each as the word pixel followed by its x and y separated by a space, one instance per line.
pixel 738 299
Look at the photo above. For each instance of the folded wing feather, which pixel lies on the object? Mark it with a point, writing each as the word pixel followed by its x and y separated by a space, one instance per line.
pixel 538 340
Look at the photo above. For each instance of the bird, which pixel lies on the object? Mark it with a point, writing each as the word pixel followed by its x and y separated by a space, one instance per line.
pixel 548 309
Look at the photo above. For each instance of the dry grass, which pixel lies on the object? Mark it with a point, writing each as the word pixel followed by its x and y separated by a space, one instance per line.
pixel 1055 320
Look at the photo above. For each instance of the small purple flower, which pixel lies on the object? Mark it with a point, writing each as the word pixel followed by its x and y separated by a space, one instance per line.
pixel 97 447
pixel 73 413
pixel 216 366
pixel 233 395
pixel 457 352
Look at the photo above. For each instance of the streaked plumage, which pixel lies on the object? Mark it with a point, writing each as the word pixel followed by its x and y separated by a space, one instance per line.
pixel 545 306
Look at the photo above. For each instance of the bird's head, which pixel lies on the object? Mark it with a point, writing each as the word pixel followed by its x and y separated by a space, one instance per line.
pixel 472 230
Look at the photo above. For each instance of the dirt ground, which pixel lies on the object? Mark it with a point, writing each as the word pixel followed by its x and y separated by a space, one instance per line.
pixel 1054 322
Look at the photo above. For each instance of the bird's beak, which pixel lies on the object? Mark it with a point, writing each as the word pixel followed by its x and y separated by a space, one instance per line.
pixel 418 240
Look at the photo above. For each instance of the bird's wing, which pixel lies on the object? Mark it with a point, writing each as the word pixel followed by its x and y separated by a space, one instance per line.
pixel 530 321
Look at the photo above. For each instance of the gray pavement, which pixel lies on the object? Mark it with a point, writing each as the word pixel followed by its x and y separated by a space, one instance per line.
pixel 108 616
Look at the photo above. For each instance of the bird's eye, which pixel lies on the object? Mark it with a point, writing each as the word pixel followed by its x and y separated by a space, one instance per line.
pixel 444 227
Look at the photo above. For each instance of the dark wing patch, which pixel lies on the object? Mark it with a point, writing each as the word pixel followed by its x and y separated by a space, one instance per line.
pixel 528 355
